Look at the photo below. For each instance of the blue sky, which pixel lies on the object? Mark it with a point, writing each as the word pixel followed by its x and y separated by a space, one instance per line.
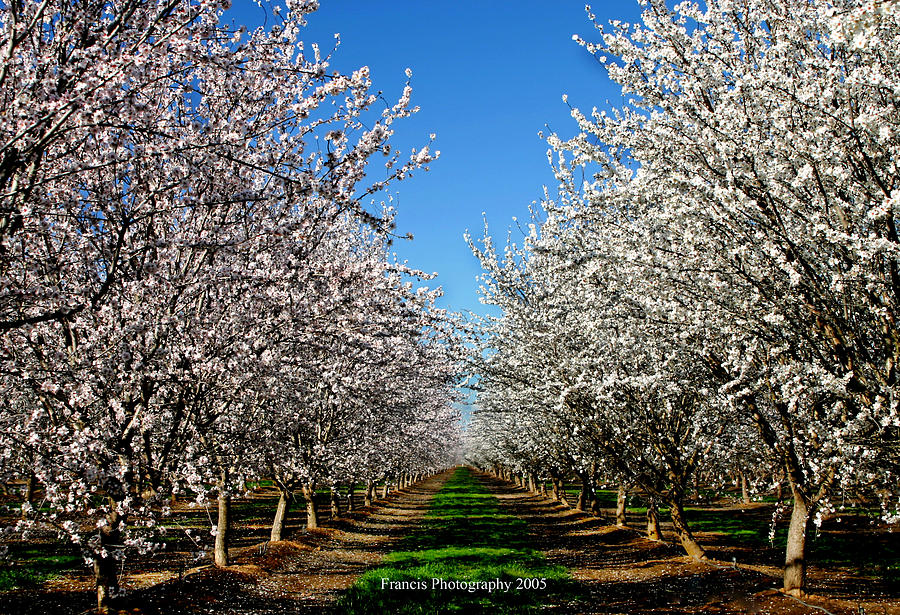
pixel 488 77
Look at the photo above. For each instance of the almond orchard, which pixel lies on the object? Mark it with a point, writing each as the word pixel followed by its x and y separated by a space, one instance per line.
pixel 193 288
pixel 199 298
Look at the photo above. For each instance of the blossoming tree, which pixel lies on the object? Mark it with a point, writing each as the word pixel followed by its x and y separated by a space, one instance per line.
pixel 149 159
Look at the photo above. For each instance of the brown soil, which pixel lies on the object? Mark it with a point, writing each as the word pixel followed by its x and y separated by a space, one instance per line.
pixel 616 570
pixel 620 571
pixel 301 575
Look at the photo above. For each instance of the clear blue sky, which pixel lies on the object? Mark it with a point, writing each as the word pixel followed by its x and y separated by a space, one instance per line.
pixel 488 76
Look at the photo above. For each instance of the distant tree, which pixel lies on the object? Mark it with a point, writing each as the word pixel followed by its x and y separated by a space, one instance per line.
pixel 619 385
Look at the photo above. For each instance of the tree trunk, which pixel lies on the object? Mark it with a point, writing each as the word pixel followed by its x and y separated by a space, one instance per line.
pixel 223 527
pixel 29 493
pixel 370 493
pixel 544 488
pixel 384 489
pixel 281 512
pixel 350 505
pixel 745 491
pixel 594 483
pixel 105 577
pixel 621 500
pixel 586 494
pixel 312 513
pixel 653 530
pixel 559 487
pixel 795 555
pixel 683 532
pixel 532 487
pixel 335 506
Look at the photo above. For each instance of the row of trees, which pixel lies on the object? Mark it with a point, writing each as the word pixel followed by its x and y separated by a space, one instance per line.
pixel 716 286
pixel 193 289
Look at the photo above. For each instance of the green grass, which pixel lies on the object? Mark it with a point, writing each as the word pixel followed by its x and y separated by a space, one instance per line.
pixel 871 555
pixel 608 498
pixel 874 555
pixel 463 538
pixel 29 565
pixel 249 509
pixel 749 528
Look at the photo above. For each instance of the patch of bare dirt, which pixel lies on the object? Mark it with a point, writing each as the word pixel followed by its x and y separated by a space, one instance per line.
pixel 620 571
pixel 304 574
pixel 616 569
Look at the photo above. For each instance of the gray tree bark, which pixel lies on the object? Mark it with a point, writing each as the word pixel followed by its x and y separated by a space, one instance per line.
pixel 683 532
pixel 281 513
pixel 312 512
pixel 335 505
pixel 106 579
pixel 223 528
pixel 795 555
pixel 621 500
pixel 29 492
pixel 654 532
pixel 351 506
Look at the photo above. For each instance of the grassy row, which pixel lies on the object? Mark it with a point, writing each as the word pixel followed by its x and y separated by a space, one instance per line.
pixel 465 538
pixel 465 533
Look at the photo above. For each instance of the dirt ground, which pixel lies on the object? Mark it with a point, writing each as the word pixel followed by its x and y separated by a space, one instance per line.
pixel 623 572
pixel 298 576
pixel 616 570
